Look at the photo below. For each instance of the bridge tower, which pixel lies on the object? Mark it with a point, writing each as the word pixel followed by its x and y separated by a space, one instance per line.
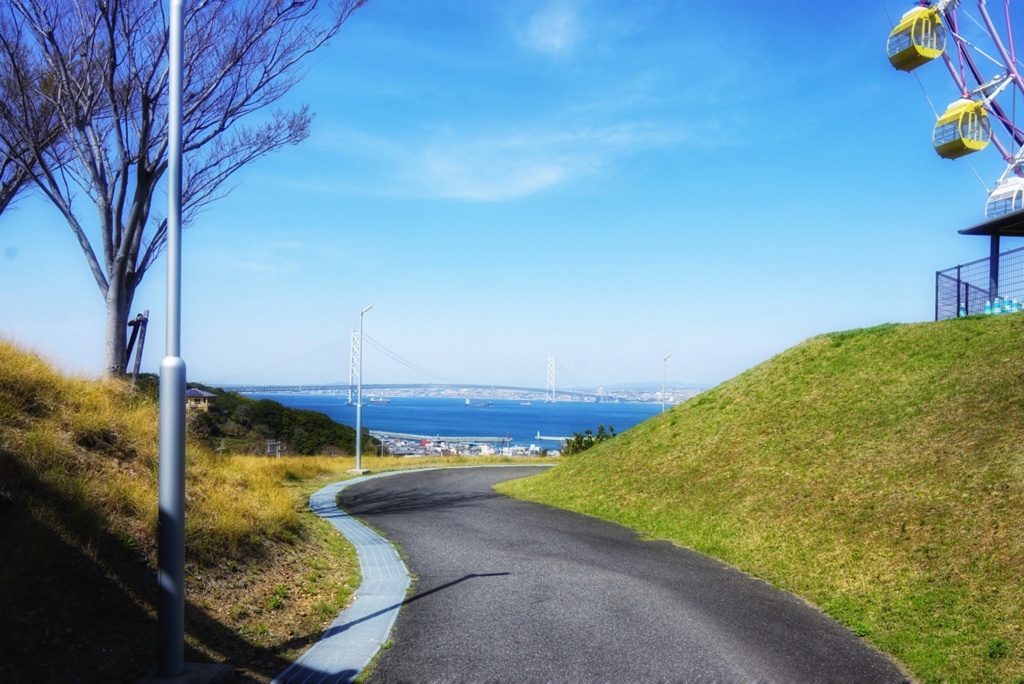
pixel 549 391
pixel 353 365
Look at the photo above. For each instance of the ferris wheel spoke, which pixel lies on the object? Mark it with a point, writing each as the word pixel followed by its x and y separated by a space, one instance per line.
pixel 967 55
pixel 994 34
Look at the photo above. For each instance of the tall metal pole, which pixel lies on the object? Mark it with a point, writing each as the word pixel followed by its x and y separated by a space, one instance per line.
pixel 359 396
pixel 664 378
pixel 171 521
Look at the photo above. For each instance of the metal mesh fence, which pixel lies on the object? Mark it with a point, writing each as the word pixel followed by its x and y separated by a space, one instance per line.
pixel 966 286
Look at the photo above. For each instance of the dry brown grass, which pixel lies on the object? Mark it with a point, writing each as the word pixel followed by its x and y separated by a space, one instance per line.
pixel 78 510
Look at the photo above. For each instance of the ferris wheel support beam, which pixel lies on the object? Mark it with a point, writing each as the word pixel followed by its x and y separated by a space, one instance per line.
pixel 1016 134
pixel 1007 57
pixel 960 84
pixel 996 40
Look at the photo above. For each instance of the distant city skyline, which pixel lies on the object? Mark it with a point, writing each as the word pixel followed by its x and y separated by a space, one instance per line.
pixel 602 183
pixel 460 390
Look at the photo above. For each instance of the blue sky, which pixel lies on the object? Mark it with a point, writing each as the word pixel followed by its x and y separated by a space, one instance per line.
pixel 585 179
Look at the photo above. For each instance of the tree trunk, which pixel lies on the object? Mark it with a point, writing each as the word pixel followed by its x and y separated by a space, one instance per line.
pixel 84 89
pixel 115 357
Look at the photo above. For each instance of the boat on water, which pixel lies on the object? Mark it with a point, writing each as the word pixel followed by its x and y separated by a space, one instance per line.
pixel 379 400
pixel 478 404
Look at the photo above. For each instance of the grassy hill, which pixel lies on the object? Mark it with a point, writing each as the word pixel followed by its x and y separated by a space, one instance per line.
pixel 78 511
pixel 879 473
pixel 236 424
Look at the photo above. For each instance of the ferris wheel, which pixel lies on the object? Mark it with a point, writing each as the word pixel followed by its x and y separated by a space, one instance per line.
pixel 980 56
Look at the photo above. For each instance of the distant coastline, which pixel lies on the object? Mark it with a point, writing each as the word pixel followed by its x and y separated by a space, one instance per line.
pixel 510 422
pixel 640 394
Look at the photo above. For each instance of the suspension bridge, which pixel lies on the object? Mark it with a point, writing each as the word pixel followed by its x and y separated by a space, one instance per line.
pixel 322 369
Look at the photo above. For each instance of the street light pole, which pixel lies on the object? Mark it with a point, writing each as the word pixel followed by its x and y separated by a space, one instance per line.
pixel 171 519
pixel 664 378
pixel 359 396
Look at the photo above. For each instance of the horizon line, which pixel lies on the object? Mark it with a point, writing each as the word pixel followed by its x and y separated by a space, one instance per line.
pixel 640 386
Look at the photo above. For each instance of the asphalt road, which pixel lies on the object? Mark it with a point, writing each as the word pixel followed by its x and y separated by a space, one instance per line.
pixel 510 591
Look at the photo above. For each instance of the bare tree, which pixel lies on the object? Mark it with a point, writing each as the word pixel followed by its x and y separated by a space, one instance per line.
pixel 13 177
pixel 98 70
pixel 26 117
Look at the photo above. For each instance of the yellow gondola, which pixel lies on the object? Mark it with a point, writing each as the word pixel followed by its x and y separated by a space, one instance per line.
pixel 962 129
pixel 917 39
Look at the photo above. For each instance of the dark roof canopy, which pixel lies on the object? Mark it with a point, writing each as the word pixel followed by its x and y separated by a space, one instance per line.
pixel 1010 225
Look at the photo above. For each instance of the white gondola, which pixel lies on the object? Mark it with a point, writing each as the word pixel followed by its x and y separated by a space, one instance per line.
pixel 1007 198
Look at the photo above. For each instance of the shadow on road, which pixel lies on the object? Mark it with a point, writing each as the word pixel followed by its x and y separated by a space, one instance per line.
pixel 415 597
pixel 357 504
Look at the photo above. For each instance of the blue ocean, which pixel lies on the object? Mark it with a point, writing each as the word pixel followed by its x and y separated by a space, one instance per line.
pixel 449 417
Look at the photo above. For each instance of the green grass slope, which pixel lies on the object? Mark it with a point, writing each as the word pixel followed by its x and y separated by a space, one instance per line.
pixel 879 473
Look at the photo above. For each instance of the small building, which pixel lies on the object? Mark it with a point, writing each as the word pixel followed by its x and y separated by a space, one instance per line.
pixel 198 399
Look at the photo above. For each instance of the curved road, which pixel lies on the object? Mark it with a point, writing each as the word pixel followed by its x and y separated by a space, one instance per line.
pixel 511 591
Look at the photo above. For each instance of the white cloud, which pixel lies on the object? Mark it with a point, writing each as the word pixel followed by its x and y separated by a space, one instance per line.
pixel 491 169
pixel 495 180
pixel 488 167
pixel 271 258
pixel 554 30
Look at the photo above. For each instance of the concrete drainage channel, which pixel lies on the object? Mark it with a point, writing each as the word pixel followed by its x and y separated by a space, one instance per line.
pixel 360 630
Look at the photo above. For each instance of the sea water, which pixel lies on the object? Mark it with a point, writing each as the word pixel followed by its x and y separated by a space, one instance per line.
pixel 519 421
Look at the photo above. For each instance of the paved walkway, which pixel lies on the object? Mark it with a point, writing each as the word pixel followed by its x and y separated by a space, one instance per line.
pixel 513 591
pixel 358 633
